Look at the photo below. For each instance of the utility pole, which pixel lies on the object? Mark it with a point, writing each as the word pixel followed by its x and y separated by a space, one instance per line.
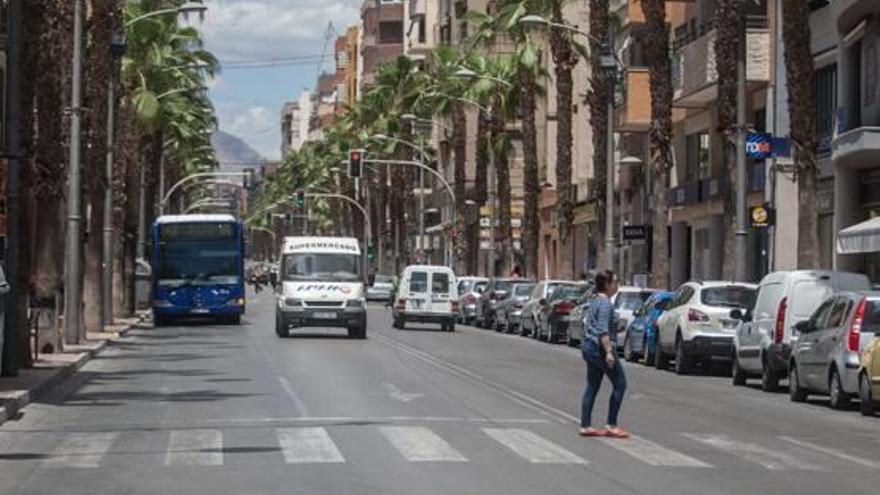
pixel 73 247
pixel 117 49
pixel 609 168
pixel 741 185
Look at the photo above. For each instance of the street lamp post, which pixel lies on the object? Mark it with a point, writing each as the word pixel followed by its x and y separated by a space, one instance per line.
pixel 73 261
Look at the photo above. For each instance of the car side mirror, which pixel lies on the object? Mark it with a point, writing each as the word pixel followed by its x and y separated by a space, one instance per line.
pixel 737 314
pixel 803 326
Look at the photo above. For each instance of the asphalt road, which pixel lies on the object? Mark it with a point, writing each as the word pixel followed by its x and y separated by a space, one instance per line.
pixel 211 409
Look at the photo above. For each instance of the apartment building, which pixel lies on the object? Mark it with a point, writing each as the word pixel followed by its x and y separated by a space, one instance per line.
pixel 295 121
pixel 381 36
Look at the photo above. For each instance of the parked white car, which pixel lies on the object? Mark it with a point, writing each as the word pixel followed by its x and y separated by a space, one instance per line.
pixel 763 344
pixel 426 294
pixel 626 301
pixel 698 326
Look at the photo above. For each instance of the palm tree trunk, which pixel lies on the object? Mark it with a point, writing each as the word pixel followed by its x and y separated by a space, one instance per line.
pixel 601 92
pixel 502 182
pixel 459 146
pixel 531 187
pixel 802 115
pixel 726 41
pixel 660 134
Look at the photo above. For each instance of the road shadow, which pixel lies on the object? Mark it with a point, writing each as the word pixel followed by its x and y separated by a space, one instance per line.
pixel 121 396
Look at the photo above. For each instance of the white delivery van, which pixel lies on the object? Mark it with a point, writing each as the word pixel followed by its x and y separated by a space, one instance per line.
pixel 321 285
pixel 426 294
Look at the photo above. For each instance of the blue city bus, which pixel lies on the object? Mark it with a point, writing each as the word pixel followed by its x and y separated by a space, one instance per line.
pixel 198 269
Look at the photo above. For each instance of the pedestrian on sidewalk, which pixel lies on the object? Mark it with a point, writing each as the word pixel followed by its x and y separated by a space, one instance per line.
pixel 600 354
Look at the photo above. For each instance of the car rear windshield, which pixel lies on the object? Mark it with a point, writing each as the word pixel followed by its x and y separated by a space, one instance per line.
pixel 523 290
pixel 571 292
pixel 440 283
pixel 631 301
pixel 503 285
pixel 418 282
pixel 728 297
pixel 871 324
pixel 382 279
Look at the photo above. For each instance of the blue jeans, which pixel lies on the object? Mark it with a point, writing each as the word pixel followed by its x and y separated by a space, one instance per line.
pixel 596 369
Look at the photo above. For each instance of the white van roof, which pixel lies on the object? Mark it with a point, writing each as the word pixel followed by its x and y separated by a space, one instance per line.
pixel 196 218
pixel 427 268
pixel 347 245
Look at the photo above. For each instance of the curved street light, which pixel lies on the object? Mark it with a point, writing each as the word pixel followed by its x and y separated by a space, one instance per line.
pixel 466 73
pixel 185 9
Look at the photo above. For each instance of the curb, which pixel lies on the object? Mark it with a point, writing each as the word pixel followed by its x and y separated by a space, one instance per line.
pixel 10 407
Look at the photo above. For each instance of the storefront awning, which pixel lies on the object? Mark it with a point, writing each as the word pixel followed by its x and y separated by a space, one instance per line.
pixel 860 238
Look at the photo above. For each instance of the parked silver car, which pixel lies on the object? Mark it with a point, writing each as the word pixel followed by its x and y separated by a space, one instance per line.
pixel 826 359
pixel 380 288
pixel 470 293
pixel 508 312
pixel 494 292
pixel 532 309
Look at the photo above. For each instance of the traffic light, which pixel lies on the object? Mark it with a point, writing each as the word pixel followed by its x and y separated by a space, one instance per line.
pixel 355 163
pixel 301 198
pixel 371 251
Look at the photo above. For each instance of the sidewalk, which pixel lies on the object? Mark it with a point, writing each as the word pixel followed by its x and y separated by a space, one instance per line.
pixel 49 370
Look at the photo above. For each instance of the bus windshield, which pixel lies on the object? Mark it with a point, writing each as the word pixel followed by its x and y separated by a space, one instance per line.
pixel 197 260
pixel 323 267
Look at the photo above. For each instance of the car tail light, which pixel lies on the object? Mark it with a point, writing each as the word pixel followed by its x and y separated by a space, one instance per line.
pixel 401 303
pixel 454 306
pixel 564 307
pixel 493 296
pixel 780 321
pixel 697 315
pixel 855 328
pixel 470 299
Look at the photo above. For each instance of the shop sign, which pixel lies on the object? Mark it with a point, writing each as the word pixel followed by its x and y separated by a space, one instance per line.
pixel 485 222
pixel 586 214
pixel 635 232
pixel 762 216
pixel 759 145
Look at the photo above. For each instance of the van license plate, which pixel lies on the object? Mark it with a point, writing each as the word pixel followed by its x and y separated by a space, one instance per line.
pixel 200 311
pixel 324 316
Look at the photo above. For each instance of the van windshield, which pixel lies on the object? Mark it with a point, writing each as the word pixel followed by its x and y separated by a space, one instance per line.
pixel 322 267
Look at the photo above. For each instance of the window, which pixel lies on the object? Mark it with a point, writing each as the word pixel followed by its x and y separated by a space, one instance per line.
pixel 870 62
pixel 727 297
pixel 871 324
pixel 390 32
pixel 838 313
pixel 820 317
pixel 418 282
pixel 825 87
pixel 697 156
pixel 767 303
pixel 523 290
pixel 631 300
pixel 440 283
pixel 808 294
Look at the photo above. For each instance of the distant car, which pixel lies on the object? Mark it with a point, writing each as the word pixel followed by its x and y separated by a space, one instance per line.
pixel 380 289
pixel 869 372
pixel 470 292
pixel 556 315
pixel 626 301
pixel 640 339
pixel 826 359
pixel 426 294
pixel 495 291
pixel 532 309
pixel 763 343
pixel 509 311
pixel 576 328
pixel 698 326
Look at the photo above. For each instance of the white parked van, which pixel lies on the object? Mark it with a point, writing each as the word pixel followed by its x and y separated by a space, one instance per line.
pixel 763 343
pixel 322 285
pixel 426 294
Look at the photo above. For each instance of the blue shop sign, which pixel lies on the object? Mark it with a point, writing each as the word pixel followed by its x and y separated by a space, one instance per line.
pixel 759 145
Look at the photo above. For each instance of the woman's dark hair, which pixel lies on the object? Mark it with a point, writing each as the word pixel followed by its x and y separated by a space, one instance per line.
pixel 603 280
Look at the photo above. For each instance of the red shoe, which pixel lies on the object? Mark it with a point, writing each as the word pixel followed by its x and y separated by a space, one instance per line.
pixel 592 432
pixel 617 432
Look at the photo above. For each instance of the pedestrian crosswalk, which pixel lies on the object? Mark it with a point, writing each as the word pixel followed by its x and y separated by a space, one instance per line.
pixel 534 445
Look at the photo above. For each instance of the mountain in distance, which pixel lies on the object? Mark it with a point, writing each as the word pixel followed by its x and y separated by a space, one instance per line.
pixel 233 153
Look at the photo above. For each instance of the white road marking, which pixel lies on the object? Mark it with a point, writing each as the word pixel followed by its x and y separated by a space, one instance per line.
pixel 419 444
pixel 194 448
pixel 763 456
pixel 308 445
pixel 397 394
pixel 652 453
pixel 833 452
pixel 297 401
pixel 82 450
pixel 532 447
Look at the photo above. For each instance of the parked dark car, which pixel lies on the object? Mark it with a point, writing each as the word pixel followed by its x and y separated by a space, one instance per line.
pixel 495 292
pixel 558 314
pixel 508 311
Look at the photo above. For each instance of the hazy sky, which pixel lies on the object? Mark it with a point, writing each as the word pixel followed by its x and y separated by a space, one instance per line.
pixel 248 101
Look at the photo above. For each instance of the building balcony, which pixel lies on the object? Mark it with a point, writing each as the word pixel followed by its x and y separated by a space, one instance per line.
pixel 635 113
pixel 849 13
pixel 695 76
pixel 418 8
pixel 857 148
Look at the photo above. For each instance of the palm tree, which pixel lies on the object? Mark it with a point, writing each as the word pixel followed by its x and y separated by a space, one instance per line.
pixel 802 115
pixel 726 42
pixel 660 135
pixel 506 24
